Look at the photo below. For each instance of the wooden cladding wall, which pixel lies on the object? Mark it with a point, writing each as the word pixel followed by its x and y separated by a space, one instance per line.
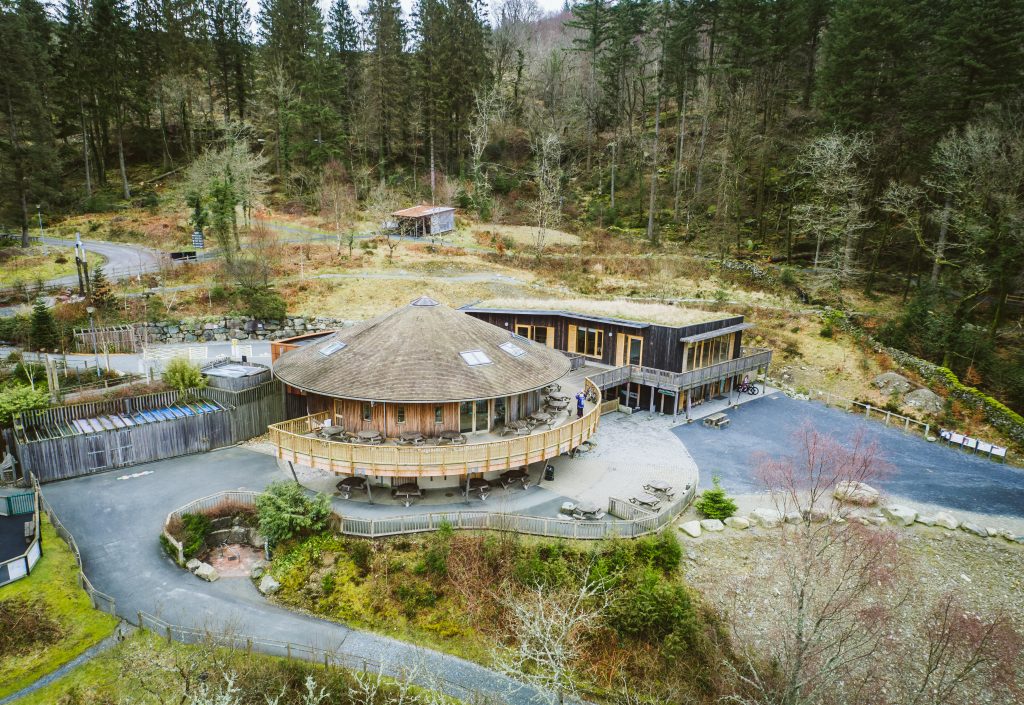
pixel 662 348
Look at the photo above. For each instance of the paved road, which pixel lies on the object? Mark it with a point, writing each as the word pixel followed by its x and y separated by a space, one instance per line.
pixel 117 523
pixel 923 471
pixel 122 260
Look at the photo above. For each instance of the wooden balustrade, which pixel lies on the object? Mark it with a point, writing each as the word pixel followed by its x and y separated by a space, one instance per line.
pixel 295 444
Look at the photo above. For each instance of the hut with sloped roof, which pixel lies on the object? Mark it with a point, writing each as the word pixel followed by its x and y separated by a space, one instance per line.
pixel 385 396
pixel 424 220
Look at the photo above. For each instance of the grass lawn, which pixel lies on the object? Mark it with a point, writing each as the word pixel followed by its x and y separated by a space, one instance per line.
pixel 39 264
pixel 54 582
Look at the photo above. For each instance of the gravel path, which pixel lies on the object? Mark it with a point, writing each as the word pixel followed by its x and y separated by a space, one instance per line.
pixel 117 520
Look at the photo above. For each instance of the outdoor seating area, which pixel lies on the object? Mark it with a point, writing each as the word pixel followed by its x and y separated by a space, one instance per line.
pixel 655 493
pixel 975 445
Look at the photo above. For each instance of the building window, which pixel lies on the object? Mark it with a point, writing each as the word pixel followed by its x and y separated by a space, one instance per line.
pixel 439 414
pixel 400 414
pixel 590 342
pixel 367 411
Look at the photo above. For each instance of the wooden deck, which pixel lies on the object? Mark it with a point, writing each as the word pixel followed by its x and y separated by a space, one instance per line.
pixel 296 443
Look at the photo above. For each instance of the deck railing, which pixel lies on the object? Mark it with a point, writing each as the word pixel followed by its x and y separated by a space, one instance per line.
pixel 294 443
pixel 751 359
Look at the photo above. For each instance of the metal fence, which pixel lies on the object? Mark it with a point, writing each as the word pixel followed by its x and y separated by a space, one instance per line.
pixel 327 656
pixel 889 418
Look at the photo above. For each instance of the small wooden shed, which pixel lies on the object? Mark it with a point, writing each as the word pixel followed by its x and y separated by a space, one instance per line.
pixel 424 220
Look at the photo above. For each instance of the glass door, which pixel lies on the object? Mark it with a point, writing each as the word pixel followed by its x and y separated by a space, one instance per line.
pixel 466 417
pixel 482 406
pixel 635 350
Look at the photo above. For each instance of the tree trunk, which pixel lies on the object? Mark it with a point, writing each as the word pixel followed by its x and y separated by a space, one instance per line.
pixel 677 176
pixel 652 236
pixel 168 161
pixel 19 172
pixel 85 150
pixel 940 246
pixel 120 159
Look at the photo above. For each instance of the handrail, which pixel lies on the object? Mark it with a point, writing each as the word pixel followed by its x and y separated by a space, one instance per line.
pixel 412 461
pixel 667 379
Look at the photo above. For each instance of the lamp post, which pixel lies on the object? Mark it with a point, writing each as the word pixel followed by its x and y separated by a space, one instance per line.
pixel 95 349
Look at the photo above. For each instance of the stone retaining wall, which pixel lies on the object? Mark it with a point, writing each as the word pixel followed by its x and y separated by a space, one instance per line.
pixel 238 328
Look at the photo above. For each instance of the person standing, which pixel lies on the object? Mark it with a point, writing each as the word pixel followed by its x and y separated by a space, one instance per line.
pixel 581 399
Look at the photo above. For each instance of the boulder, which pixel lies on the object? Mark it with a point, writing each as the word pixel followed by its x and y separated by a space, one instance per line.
pixel 926 520
pixel 238 534
pixel 893 383
pixel 856 493
pixel 268 586
pixel 207 572
pixel 815 515
pixel 711 525
pixel 972 528
pixel 946 520
pixel 767 518
pixel 691 528
pixel 193 564
pixel 256 539
pixel 924 399
pixel 898 514
pixel 737 523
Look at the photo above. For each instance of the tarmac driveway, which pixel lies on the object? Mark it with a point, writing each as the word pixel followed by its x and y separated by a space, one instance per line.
pixel 924 472
pixel 116 520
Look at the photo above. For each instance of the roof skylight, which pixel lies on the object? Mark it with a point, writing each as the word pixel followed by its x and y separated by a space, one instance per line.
pixel 512 349
pixel 332 348
pixel 475 358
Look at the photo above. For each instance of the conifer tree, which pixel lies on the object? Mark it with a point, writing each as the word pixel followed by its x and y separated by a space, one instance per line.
pixel 43 334
pixel 100 294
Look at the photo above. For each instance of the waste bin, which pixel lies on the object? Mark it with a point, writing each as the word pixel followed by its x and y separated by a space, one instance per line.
pixel 549 472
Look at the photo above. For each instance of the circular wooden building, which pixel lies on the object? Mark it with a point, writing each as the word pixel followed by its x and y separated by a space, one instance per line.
pixel 427 390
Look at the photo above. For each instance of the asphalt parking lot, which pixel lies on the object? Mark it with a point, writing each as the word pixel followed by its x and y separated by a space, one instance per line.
pixel 922 472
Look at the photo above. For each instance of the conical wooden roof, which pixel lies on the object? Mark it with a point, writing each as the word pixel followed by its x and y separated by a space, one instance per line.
pixel 422 352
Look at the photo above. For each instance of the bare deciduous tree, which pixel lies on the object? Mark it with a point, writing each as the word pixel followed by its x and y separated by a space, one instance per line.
pixel 547 174
pixel 551 628
pixel 338 202
pixel 834 212
pixel 490 110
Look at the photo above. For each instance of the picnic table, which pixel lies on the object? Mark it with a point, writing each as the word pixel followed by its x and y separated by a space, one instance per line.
pixel 510 477
pixel 558 404
pixel 518 427
pixel 544 417
pixel 659 486
pixel 453 437
pixel 552 388
pixel 478 485
pixel 370 437
pixel 330 431
pixel 351 484
pixel 406 491
pixel 588 510
pixel 410 439
pixel 718 420
pixel 558 396
pixel 645 499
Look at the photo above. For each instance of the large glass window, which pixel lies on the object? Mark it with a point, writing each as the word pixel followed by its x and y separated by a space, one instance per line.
pixel 367 411
pixel 500 405
pixel 590 342
pixel 400 414
pixel 439 414
pixel 466 417
pixel 482 407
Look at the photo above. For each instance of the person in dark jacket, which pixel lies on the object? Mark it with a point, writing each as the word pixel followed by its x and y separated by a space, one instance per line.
pixel 581 399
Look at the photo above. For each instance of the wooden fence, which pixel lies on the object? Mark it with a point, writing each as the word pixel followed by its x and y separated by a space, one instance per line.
pixel 100 600
pixel 58 454
pixel 109 339
pixel 632 521
pixel 889 418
